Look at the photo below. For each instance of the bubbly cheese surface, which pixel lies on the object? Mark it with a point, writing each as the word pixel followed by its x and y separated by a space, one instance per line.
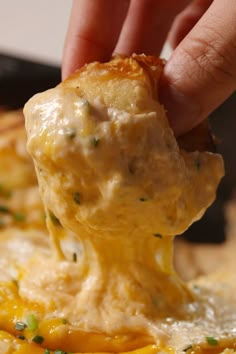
pixel 116 189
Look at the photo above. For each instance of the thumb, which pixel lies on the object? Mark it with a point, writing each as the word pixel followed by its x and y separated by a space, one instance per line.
pixel 201 72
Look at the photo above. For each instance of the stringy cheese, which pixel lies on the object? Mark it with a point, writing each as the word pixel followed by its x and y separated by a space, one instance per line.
pixel 116 189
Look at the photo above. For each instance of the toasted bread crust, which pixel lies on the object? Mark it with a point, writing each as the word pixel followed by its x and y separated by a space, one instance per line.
pixel 147 69
pixel 111 81
pixel 136 67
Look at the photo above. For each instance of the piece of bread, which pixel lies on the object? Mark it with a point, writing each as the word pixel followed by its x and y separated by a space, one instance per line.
pixel 125 151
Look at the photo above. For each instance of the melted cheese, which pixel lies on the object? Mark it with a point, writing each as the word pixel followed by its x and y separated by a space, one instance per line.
pixel 116 189
pixel 116 178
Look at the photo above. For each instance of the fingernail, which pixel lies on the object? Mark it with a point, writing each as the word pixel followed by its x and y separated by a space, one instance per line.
pixel 182 111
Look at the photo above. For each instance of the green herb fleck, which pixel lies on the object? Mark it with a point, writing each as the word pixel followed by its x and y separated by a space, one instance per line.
pixel 86 105
pixel 20 326
pixel 64 321
pixel 21 337
pixel 54 219
pixel 70 133
pixel 75 257
pixel 38 339
pixel 4 209
pixel 156 300
pixel 58 351
pixel 4 192
pixel 157 235
pixel 32 322
pixel 212 341
pixel 19 217
pixel 76 198
pixel 196 287
pixel 95 141
pixel 143 199
pixel 187 348
pixel 46 351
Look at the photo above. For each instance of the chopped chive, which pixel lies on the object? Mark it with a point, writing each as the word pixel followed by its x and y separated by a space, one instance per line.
pixel 32 322
pixel 70 133
pixel 187 348
pixel 196 287
pixel 54 219
pixel 20 326
pixel 157 235
pixel 19 217
pixel 21 337
pixel 4 209
pixel 64 321
pixel 58 351
pixel 46 351
pixel 86 105
pixel 143 199
pixel 15 282
pixel 38 339
pixel 95 141
pixel 75 257
pixel 156 300
pixel 212 341
pixel 76 198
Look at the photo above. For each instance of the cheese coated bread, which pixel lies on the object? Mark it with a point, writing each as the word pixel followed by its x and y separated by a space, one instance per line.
pixel 116 188
pixel 107 132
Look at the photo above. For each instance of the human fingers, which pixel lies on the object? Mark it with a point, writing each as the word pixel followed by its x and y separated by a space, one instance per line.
pixel 147 24
pixel 186 20
pixel 201 72
pixel 93 31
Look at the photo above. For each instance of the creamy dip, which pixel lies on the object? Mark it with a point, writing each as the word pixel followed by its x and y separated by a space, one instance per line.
pixel 110 171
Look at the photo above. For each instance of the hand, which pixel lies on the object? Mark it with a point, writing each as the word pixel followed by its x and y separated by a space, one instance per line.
pixel 201 72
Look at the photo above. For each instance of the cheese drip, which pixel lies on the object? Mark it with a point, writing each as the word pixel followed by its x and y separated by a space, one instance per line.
pixel 110 170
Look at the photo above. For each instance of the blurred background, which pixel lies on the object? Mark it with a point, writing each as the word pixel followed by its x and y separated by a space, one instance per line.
pixel 34 29
pixel 31 45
